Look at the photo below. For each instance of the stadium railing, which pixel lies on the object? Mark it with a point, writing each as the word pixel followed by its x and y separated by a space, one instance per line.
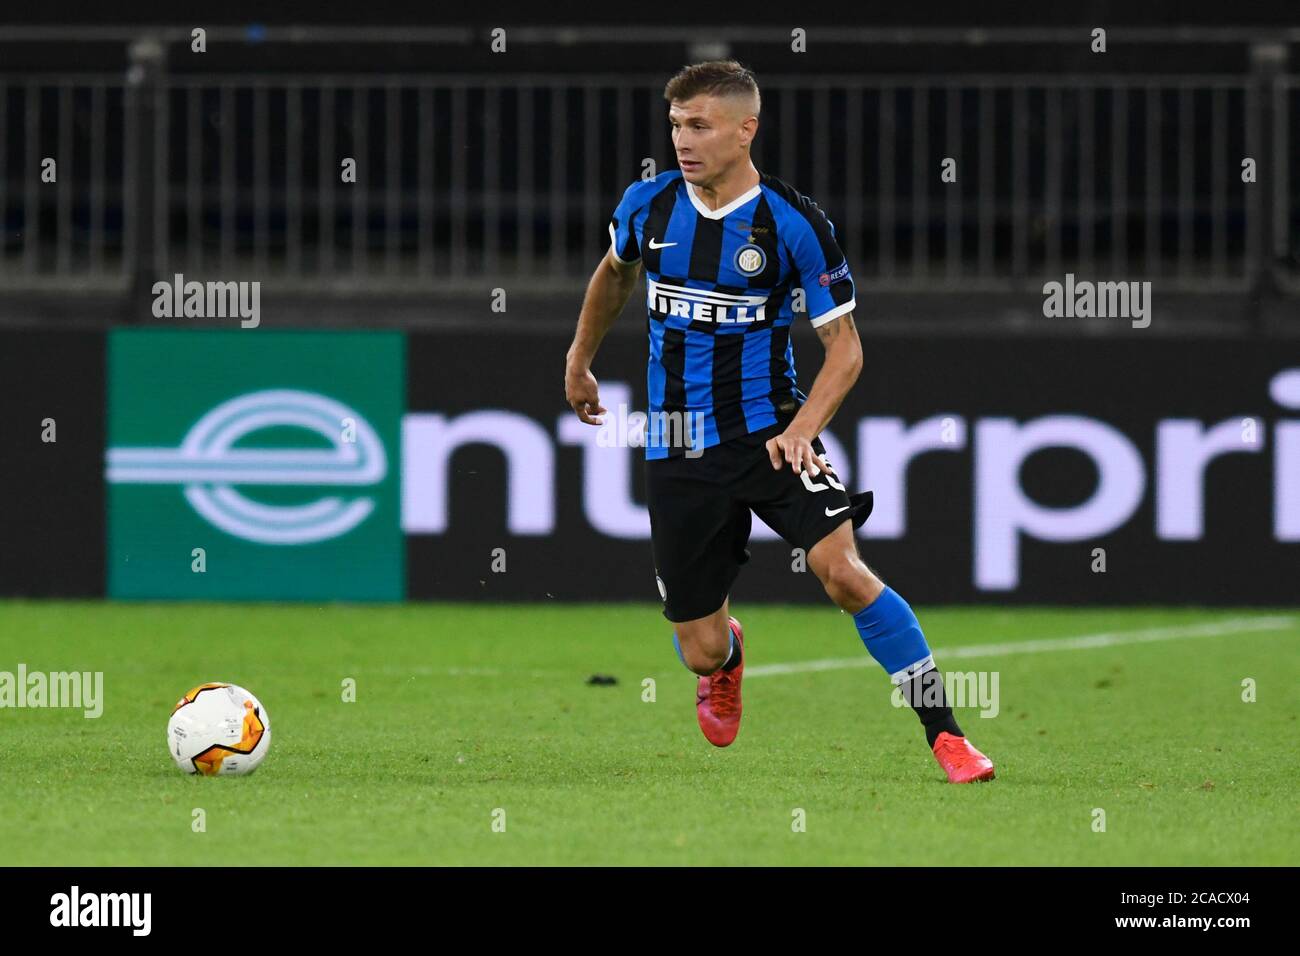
pixel 466 182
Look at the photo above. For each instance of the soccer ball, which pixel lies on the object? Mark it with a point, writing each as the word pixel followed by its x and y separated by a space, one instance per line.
pixel 218 729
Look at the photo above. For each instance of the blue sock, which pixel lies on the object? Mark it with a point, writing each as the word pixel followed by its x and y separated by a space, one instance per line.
pixel 893 637
pixel 678 646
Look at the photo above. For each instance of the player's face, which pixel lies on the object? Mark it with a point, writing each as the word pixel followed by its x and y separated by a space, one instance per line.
pixel 709 136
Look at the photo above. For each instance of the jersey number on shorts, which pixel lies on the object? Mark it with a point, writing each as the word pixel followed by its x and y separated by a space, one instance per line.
pixel 814 486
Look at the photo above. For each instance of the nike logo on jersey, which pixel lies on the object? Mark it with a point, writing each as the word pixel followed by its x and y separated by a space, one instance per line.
pixel 832 514
pixel 661 245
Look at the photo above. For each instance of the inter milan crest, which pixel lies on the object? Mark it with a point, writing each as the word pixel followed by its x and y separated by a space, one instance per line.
pixel 750 259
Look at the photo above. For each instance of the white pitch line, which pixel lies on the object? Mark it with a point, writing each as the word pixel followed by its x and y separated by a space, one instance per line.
pixel 1238 625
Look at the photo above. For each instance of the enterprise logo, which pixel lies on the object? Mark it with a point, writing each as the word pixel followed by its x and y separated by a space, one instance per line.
pixel 208 466
pixel 704 305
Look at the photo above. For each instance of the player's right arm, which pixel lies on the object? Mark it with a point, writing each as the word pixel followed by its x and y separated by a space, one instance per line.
pixel 607 293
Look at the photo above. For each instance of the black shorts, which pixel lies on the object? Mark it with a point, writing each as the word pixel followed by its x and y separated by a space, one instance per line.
pixel 700 516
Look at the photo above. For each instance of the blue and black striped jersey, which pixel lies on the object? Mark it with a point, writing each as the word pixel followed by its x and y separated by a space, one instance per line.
pixel 720 291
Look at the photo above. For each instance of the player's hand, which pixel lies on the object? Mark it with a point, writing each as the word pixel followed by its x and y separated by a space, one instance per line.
pixel 580 390
pixel 796 449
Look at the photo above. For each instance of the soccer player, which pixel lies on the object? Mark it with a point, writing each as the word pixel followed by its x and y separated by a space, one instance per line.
pixel 728 253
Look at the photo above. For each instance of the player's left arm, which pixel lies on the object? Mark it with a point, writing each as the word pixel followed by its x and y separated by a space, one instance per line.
pixel 839 371
pixel 830 300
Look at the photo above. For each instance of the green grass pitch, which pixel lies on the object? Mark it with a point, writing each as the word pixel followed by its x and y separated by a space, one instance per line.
pixel 463 710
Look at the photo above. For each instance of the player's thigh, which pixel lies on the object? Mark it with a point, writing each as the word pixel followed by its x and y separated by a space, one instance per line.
pixel 699 536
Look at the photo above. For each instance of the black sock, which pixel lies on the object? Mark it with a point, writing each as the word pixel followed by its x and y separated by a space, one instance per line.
pixel 926 695
pixel 734 659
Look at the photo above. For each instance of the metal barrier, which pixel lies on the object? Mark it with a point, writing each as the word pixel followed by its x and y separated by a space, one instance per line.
pixel 1133 176
pixel 66 197
pixel 465 183
pixel 1286 205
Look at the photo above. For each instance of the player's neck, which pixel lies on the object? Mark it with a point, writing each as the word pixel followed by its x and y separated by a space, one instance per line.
pixel 720 192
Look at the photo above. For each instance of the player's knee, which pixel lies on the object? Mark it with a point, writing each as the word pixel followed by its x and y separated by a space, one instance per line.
pixel 850 583
pixel 703 661
pixel 701 650
pixel 703 658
